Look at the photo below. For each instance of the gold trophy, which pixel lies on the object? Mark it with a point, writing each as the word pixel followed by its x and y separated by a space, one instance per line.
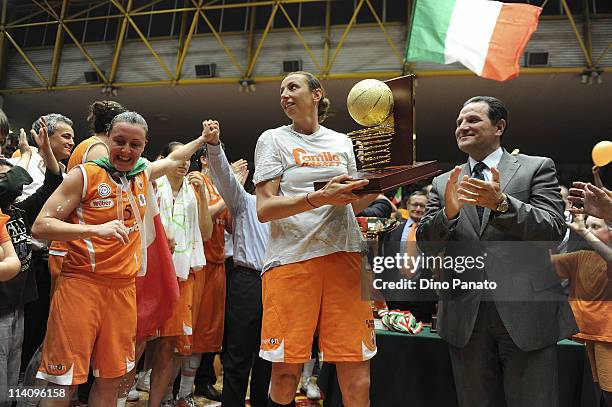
pixel 386 146
pixel 372 229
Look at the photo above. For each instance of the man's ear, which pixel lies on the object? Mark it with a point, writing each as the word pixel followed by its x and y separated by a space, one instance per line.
pixel 501 126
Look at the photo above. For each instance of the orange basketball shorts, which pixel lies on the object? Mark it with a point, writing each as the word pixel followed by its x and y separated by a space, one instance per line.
pixel 180 323
pixel 324 292
pixel 92 320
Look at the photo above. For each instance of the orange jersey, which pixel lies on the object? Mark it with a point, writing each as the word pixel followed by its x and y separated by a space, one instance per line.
pixel 77 157
pixel 79 154
pixel 104 201
pixel 214 248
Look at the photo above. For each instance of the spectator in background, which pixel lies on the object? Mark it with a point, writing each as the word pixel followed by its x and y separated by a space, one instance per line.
pixel 61 140
pixel 403 240
pixel 417 201
pixel 21 289
pixel 590 292
pixel 5 129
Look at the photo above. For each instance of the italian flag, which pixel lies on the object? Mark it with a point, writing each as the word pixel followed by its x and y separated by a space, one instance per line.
pixel 157 290
pixel 487 37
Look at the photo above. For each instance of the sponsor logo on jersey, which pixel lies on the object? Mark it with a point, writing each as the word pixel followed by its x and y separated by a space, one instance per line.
pixel 102 203
pixel 270 343
pixel 324 159
pixel 142 201
pixel 139 183
pixel 104 190
pixel 56 368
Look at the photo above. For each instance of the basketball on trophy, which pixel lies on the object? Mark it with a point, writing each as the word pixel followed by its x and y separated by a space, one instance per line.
pixel 370 102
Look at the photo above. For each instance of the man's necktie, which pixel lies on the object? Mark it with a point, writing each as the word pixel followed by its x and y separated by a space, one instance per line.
pixel 412 232
pixel 478 172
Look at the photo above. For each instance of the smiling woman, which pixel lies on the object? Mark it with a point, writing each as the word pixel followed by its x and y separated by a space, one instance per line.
pixel 99 210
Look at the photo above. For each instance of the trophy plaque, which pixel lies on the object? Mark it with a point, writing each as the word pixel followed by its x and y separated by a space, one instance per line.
pixel 386 146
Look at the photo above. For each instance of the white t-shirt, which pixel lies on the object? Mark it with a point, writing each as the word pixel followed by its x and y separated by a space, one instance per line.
pixel 300 160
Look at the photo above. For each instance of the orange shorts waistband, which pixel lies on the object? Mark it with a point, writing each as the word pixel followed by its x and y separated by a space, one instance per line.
pixel 100 279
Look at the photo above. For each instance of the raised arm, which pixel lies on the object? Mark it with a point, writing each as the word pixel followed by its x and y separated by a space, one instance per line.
pixel 204 218
pixel 605 251
pixel 183 153
pixel 223 177
pixel 25 151
pixel 51 221
pixel 44 147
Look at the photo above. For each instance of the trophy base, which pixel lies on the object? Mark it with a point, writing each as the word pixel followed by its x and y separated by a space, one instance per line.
pixel 387 179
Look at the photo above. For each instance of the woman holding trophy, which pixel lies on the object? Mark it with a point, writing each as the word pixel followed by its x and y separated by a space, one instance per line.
pixel 311 275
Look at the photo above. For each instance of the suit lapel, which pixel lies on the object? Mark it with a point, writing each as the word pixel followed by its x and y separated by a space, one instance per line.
pixel 507 167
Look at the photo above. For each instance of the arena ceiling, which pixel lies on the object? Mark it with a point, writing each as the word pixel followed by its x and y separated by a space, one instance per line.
pixel 550 114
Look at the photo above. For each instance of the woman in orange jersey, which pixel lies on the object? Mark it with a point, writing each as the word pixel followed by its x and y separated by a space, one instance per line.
pixel 101 113
pixel 182 206
pixel 313 248
pixel 98 210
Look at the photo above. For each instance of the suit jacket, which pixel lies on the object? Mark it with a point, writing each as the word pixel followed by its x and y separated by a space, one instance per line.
pixel 421 303
pixel 514 245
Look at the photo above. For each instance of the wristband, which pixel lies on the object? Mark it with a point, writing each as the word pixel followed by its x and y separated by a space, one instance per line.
pixel 308 200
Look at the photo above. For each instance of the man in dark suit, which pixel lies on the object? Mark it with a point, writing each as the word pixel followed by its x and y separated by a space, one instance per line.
pixel 421 303
pixel 506 210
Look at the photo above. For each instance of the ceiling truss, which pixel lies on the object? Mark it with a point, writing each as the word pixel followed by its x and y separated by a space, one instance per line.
pixel 191 14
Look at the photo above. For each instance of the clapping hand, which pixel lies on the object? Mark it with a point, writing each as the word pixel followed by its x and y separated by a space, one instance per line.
pixel 452 203
pixel 24 147
pixel 42 138
pixel 591 200
pixel 481 193
pixel 241 170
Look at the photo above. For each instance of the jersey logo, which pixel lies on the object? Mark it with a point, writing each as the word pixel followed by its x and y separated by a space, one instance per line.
pixel 142 200
pixel 139 183
pixel 104 190
pixel 102 203
pixel 325 159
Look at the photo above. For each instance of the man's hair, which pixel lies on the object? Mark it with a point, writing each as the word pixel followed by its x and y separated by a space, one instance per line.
pixel 130 118
pixel 52 120
pixel 497 109
pixel 4 123
pixel 416 193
